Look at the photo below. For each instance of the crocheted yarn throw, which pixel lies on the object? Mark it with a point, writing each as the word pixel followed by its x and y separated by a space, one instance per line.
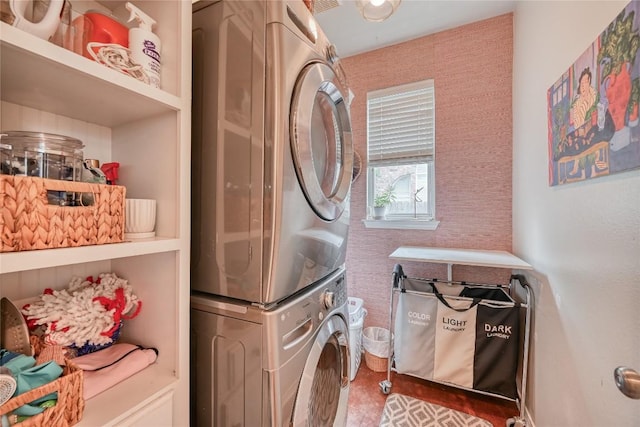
pixel 88 313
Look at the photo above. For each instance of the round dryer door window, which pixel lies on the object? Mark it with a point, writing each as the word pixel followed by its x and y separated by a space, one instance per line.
pixel 324 388
pixel 321 140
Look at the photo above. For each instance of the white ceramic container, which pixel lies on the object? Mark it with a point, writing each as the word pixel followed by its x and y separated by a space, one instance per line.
pixel 139 218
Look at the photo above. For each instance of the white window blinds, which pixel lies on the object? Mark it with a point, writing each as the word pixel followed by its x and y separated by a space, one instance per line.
pixel 401 124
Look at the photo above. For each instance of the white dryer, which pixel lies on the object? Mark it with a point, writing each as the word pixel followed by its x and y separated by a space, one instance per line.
pixel 285 367
pixel 272 151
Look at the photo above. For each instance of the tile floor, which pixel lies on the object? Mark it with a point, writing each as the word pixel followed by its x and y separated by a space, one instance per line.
pixel 366 401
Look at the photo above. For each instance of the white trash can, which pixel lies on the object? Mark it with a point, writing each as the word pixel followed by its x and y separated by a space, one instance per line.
pixel 356 322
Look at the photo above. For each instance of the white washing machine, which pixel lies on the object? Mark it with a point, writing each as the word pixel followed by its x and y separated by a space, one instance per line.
pixel 284 367
pixel 272 153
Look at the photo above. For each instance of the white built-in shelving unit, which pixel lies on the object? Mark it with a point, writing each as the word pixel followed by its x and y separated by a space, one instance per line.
pixel 44 87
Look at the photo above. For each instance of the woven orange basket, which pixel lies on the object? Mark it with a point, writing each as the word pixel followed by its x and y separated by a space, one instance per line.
pixel 69 386
pixel 28 222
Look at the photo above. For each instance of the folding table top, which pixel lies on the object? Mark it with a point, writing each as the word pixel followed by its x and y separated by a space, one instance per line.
pixel 480 258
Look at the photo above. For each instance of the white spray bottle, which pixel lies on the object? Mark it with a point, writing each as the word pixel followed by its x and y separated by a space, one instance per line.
pixel 144 44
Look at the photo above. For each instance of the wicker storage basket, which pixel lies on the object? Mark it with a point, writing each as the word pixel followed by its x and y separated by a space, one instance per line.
pixel 28 222
pixel 376 348
pixel 375 363
pixel 69 386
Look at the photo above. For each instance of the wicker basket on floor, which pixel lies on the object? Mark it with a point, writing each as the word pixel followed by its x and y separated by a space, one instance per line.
pixel 28 221
pixel 375 363
pixel 69 387
pixel 375 341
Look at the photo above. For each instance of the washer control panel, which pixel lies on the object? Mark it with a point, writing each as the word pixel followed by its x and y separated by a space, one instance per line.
pixel 335 294
pixel 328 299
pixel 340 292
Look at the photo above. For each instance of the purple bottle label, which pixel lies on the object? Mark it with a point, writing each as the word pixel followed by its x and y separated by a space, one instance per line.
pixel 151 51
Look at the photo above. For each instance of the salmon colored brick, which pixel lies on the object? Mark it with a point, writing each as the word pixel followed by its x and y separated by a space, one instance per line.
pixel 472 69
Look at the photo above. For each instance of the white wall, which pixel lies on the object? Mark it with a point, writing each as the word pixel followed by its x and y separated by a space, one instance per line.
pixel 583 239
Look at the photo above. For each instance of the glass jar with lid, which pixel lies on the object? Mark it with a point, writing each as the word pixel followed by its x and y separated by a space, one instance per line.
pixel 5 158
pixel 44 155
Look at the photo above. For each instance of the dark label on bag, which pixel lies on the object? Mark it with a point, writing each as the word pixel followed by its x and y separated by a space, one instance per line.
pixel 496 354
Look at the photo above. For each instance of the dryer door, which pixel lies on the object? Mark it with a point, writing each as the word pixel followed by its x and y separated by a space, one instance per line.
pixel 321 140
pixel 324 387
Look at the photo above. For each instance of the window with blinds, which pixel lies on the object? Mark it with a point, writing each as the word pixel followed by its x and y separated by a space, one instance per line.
pixel 400 151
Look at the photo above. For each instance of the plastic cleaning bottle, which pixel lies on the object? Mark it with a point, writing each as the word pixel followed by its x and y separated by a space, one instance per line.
pixel 92 173
pixel 145 46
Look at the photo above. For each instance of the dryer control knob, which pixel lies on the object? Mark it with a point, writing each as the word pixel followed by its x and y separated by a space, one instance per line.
pixel 328 299
pixel 332 54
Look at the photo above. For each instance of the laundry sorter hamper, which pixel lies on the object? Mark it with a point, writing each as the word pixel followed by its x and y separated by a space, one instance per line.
pixel 462 334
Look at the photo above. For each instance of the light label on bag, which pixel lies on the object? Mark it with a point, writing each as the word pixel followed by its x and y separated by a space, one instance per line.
pixel 455 342
pixel 454 325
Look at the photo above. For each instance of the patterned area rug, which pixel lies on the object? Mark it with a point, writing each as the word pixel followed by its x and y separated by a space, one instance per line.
pixel 405 411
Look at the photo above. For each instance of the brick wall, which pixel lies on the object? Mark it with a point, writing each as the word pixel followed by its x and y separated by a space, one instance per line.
pixel 472 67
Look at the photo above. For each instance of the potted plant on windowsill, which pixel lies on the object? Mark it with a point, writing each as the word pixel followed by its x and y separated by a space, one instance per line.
pixel 381 201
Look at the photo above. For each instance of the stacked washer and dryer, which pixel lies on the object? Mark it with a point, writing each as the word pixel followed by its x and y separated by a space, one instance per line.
pixel 272 161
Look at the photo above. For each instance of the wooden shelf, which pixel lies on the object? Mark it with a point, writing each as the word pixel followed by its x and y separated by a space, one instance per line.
pixel 115 405
pixel 33 260
pixel 62 78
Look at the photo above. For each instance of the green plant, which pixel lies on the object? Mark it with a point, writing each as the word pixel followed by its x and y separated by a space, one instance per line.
pixel 384 198
pixel 618 45
pixel 635 94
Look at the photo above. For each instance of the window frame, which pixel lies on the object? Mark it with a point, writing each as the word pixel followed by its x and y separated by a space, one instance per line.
pixel 404 221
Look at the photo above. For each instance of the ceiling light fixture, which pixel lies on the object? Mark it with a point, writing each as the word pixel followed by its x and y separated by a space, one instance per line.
pixel 377 10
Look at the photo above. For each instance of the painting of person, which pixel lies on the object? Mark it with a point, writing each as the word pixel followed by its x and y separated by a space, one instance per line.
pixel 593 129
pixel 584 100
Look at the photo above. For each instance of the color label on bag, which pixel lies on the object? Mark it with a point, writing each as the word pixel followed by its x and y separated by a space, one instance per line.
pixel 455 343
pixel 415 335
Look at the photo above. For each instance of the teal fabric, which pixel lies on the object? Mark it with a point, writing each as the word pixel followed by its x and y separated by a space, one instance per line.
pixel 20 363
pixel 33 377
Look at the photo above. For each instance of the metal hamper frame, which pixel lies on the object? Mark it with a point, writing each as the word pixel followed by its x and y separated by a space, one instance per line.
pixel 518 421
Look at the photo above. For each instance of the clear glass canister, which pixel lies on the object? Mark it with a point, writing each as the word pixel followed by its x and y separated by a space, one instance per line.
pixel 5 158
pixel 43 155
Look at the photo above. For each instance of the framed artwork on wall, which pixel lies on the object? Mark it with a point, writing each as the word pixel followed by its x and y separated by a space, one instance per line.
pixel 592 108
